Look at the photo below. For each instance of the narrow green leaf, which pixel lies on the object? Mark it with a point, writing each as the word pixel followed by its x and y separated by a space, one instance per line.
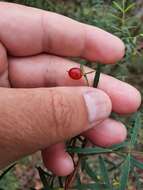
pixel 136 163
pixel 91 173
pixel 116 17
pixel 110 162
pixel 125 173
pixel 94 150
pixel 97 76
pixel 136 128
pixel 104 172
pixel 130 7
pixel 43 179
pixel 118 6
pixel 83 162
pixel 119 146
pixel 6 171
pixel 116 166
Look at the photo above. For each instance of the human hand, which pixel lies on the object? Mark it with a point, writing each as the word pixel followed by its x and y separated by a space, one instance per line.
pixel 33 119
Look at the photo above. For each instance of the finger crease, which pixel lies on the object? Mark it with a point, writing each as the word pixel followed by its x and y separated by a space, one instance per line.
pixel 44 34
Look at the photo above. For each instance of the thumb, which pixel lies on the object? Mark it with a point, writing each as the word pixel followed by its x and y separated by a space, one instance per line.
pixel 32 119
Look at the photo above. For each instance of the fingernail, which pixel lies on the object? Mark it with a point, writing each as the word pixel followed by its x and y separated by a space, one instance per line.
pixel 98 106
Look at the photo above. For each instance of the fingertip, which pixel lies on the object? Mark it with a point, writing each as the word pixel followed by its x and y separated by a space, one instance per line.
pixel 135 100
pixel 103 46
pixel 62 166
pixel 132 103
pixel 107 133
pixel 57 161
pixel 125 98
pixel 115 52
pixel 122 131
pixel 119 50
pixel 68 166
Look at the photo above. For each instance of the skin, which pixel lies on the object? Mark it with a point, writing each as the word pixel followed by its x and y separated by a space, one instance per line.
pixel 35 46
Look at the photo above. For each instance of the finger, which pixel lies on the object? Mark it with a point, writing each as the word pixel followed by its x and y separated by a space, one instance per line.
pixel 34 119
pixel 106 134
pixel 45 70
pixel 57 160
pixel 35 31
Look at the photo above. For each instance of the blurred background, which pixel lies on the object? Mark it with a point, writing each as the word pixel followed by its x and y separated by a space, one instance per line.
pixel 106 14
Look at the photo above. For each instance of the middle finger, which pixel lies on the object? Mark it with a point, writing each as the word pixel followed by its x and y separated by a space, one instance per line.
pixel 50 71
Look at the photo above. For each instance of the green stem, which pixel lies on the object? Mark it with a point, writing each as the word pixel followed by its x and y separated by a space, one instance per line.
pixel 89 72
pixel 123 15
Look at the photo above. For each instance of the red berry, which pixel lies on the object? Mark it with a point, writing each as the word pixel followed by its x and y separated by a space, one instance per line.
pixel 75 73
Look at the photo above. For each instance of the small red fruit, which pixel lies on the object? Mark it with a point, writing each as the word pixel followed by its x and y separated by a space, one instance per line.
pixel 75 73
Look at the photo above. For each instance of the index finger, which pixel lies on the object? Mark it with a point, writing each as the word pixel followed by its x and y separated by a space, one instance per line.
pixel 28 31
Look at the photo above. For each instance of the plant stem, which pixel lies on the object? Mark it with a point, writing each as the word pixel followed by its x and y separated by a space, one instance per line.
pixel 123 15
pixel 70 179
pixel 89 72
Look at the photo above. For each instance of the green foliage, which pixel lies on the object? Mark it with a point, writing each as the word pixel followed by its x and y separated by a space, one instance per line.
pixel 107 169
pixel 136 128
pixel 88 151
pixel 125 173
pixel 137 163
pixel 92 174
pixel 7 180
pixel 6 171
pixel 104 172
